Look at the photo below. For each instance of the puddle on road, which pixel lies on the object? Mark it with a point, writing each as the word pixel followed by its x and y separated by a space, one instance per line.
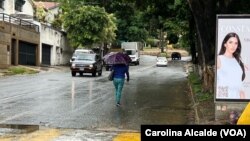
pixel 20 128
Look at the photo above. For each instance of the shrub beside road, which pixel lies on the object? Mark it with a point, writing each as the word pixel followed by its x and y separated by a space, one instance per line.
pixel 14 70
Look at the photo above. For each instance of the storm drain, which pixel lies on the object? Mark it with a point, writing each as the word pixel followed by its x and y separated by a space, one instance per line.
pixel 18 128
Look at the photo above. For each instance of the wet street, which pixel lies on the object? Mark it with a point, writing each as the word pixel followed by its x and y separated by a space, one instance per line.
pixel 154 95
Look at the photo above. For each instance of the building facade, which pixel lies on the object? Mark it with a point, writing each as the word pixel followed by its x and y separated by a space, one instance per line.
pixel 25 41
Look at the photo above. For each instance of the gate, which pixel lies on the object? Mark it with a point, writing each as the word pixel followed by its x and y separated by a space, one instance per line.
pixel 27 54
pixel 46 50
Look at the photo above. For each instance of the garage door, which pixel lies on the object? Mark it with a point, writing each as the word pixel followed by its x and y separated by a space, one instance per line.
pixel 27 54
pixel 46 54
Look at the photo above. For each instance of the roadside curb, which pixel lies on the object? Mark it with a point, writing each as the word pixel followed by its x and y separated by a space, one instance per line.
pixel 195 105
pixel 204 111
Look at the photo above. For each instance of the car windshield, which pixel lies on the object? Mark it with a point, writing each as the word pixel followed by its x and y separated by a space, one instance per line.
pixel 83 51
pixel 87 57
pixel 79 53
pixel 130 52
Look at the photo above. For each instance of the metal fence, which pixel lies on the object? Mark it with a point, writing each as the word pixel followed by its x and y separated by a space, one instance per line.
pixel 18 21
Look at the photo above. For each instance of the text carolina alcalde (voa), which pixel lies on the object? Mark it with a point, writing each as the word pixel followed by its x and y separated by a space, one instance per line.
pixel 187 132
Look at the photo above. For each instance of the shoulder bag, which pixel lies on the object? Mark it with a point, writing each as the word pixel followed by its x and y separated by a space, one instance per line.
pixel 111 75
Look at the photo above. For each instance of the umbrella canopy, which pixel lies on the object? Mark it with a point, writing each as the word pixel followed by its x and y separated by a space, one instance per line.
pixel 108 54
pixel 117 58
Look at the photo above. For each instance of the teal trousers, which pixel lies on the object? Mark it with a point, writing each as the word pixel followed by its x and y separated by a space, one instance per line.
pixel 118 83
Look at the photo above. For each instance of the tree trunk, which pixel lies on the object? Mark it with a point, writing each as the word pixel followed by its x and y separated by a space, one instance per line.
pixel 204 18
pixel 208 76
pixel 192 39
pixel 161 40
pixel 105 49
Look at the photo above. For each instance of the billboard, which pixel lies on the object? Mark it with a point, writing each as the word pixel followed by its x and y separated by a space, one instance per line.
pixel 232 58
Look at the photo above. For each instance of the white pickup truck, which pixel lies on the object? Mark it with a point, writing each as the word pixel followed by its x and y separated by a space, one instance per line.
pixel 133 50
pixel 80 51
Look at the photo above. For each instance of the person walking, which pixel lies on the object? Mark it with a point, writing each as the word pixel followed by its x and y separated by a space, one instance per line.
pixel 230 69
pixel 120 70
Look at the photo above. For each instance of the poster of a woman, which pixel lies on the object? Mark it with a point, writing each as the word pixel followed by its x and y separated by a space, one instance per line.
pixel 232 59
pixel 230 68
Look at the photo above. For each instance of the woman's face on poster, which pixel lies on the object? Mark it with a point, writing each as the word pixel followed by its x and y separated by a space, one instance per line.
pixel 231 45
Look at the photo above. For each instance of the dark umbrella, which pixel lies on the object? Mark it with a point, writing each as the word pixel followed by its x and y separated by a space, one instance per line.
pixel 107 55
pixel 117 58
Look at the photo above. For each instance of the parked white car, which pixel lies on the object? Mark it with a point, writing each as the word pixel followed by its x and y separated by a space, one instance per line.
pixel 161 61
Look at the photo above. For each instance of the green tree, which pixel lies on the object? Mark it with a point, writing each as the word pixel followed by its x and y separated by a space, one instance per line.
pixel 129 21
pixel 204 29
pixel 40 12
pixel 166 17
pixel 86 25
pixel 130 24
pixel 57 22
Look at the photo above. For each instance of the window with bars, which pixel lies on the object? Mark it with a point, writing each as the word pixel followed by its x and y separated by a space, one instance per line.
pixel 19 5
pixel 2 4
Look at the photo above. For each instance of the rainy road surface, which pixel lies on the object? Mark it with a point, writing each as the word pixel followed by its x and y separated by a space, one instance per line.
pixel 68 107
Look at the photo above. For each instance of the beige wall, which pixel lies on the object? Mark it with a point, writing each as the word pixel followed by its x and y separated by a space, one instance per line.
pixel 10 31
pixel 61 52
pixel 5 39
pixel 24 34
pixel 4 56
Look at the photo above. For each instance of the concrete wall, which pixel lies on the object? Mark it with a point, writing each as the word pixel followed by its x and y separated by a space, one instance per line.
pixel 61 52
pixel 25 34
pixel 9 31
pixel 67 51
pixel 5 41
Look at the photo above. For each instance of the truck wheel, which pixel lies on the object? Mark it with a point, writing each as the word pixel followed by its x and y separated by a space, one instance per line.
pixel 100 73
pixel 73 73
pixel 94 74
pixel 138 63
